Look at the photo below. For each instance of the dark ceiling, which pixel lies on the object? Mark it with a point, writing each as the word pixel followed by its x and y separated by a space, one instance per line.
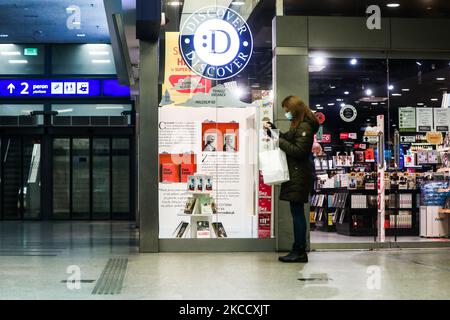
pixel 407 9
pixel 28 21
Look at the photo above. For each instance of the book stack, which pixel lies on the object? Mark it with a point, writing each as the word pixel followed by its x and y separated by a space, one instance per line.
pixel 339 200
pixel 404 220
pixel 405 201
pixel 359 201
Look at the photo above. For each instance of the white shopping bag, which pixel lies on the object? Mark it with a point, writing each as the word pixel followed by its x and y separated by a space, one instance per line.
pixel 274 167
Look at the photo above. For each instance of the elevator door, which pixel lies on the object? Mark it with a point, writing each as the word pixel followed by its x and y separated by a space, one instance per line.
pixel 91 178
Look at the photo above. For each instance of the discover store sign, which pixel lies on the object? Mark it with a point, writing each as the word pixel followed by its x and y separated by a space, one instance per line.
pixel 216 43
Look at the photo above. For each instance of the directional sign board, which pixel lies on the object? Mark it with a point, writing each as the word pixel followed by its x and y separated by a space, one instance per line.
pixel 370 139
pixel 408 139
pixel 49 88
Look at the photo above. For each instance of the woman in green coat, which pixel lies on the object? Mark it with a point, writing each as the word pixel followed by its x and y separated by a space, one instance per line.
pixel 297 144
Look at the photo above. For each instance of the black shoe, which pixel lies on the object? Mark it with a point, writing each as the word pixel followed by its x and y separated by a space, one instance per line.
pixel 295 256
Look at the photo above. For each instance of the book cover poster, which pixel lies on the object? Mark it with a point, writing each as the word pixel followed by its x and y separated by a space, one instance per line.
pixel 175 168
pixel 170 172
pixel 223 137
pixel 187 169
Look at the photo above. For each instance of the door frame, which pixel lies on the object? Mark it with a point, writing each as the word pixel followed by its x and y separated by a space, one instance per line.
pixel 93 133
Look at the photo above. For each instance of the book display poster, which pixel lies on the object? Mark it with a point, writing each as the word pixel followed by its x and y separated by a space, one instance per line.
pixel 180 83
pixel 441 119
pixel 210 142
pixel 407 119
pixel 424 117
pixel 265 225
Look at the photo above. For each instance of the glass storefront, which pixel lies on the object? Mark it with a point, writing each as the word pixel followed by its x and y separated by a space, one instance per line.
pixel 210 120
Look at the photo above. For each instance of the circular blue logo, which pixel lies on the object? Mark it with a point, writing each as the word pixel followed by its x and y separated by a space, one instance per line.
pixel 216 43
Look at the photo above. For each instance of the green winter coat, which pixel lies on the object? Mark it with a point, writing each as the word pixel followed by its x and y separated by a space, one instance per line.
pixel 297 144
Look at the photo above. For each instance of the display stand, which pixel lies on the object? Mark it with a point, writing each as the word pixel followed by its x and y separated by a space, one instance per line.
pixel 197 216
pixel 200 208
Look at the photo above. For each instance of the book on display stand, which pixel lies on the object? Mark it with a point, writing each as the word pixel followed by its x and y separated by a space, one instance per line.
pixel 200 207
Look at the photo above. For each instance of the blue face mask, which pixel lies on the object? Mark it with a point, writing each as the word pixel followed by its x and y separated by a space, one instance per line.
pixel 289 116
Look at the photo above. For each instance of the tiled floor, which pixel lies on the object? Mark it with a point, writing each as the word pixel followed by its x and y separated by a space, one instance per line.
pixel 34 260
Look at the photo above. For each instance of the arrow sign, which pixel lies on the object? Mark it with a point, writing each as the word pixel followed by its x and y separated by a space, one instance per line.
pixel 11 88
pixel 408 139
pixel 370 139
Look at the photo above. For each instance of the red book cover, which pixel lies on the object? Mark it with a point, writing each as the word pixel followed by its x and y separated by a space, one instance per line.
pixel 264 226
pixel 187 170
pixel 387 224
pixel 370 155
pixel 170 173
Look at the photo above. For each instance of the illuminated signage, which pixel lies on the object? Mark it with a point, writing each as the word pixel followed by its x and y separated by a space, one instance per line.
pixel 216 43
pixel 62 88
pixel 348 113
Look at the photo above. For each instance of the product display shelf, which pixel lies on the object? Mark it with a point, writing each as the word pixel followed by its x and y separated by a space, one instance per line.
pixel 325 222
pixel 196 216
pixel 362 221
pixel 414 209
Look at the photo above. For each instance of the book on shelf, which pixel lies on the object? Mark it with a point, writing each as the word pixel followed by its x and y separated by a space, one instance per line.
pixel 189 208
pixel 320 214
pixel 372 201
pixel 359 156
pixel 219 230
pixel 203 229
pixel 359 201
pixel 342 216
pixel 422 157
pixel 335 215
pixel 369 155
pixel 191 183
pixel 207 205
pixel 180 231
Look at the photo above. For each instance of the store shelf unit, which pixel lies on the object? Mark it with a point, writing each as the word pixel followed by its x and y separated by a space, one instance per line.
pixel 357 215
pixel 325 211
pixel 414 209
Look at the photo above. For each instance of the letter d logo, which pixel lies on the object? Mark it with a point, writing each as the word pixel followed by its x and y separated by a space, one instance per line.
pixel 214 41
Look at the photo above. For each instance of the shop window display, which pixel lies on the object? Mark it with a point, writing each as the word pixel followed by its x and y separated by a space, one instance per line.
pixel 210 120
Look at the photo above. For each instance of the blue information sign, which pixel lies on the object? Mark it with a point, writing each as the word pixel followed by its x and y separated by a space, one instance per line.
pixel 50 88
pixel 112 88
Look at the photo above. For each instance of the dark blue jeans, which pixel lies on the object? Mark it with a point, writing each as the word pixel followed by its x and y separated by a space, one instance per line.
pixel 298 216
